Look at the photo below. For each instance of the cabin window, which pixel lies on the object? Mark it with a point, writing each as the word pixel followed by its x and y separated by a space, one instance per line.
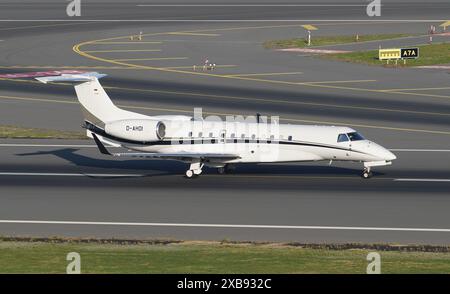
pixel 190 134
pixel 355 136
pixel 272 137
pixel 210 135
pixel 200 134
pixel 290 138
pixel 232 135
pixel 253 137
pixel 243 136
pixel 342 138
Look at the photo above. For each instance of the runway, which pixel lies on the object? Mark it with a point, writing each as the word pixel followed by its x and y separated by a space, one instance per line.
pixel 76 184
pixel 59 187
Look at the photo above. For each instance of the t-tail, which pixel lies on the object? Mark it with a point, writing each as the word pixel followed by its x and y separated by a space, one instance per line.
pixel 96 105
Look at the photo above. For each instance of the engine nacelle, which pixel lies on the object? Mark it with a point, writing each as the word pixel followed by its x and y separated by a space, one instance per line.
pixel 142 130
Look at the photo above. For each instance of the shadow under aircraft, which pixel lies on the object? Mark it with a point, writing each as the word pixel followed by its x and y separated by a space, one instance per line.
pixel 167 167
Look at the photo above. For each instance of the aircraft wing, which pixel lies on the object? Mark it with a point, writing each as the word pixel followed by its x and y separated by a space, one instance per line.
pixel 182 156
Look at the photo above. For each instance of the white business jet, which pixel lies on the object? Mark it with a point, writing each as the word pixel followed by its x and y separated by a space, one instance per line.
pixel 202 142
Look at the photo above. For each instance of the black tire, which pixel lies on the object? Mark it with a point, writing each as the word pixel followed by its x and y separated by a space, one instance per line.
pixel 366 175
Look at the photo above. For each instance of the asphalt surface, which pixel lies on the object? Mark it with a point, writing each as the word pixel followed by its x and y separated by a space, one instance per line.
pixel 406 110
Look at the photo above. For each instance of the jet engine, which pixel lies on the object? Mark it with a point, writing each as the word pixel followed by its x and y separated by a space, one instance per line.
pixel 142 130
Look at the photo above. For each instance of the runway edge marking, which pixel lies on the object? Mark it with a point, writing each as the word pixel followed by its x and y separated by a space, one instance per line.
pixel 239 226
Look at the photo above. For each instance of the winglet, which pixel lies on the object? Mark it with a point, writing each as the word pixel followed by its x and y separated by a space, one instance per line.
pixel 100 145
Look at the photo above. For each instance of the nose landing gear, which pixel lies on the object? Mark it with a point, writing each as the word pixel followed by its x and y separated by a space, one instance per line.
pixel 194 170
pixel 366 174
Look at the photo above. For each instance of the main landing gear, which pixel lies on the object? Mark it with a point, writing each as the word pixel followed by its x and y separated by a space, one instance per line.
pixel 226 169
pixel 194 170
pixel 366 174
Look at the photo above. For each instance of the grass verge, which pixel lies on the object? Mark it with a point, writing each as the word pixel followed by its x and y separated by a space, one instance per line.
pixel 434 54
pixel 207 257
pixel 15 132
pixel 328 40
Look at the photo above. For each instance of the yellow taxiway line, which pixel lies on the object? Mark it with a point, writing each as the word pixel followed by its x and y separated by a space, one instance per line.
pixel 77 49
pixel 230 114
pixel 158 58
pixel 46 26
pixel 338 82
pixel 416 89
pixel 258 100
pixel 266 74
pixel 132 50
pixel 198 67
pixel 127 43
pixel 192 34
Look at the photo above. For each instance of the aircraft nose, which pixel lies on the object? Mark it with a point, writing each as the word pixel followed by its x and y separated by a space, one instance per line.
pixel 381 152
pixel 389 155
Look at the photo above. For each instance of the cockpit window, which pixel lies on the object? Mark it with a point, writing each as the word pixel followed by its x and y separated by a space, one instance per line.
pixel 342 138
pixel 355 136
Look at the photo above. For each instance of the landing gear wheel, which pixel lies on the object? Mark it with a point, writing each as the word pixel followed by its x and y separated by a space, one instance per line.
pixel 367 174
pixel 195 169
pixel 190 174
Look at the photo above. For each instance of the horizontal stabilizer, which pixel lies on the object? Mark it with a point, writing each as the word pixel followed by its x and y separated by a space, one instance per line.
pixel 82 77
pixel 37 74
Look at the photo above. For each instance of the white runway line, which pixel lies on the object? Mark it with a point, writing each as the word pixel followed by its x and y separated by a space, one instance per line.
pixel 251 5
pixel 69 174
pixel 420 150
pixel 229 20
pixel 24 174
pixel 231 226
pixel 422 180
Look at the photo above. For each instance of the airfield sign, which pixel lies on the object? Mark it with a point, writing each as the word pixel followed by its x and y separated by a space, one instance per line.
pixel 398 53
pixel 409 53
pixel 389 54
